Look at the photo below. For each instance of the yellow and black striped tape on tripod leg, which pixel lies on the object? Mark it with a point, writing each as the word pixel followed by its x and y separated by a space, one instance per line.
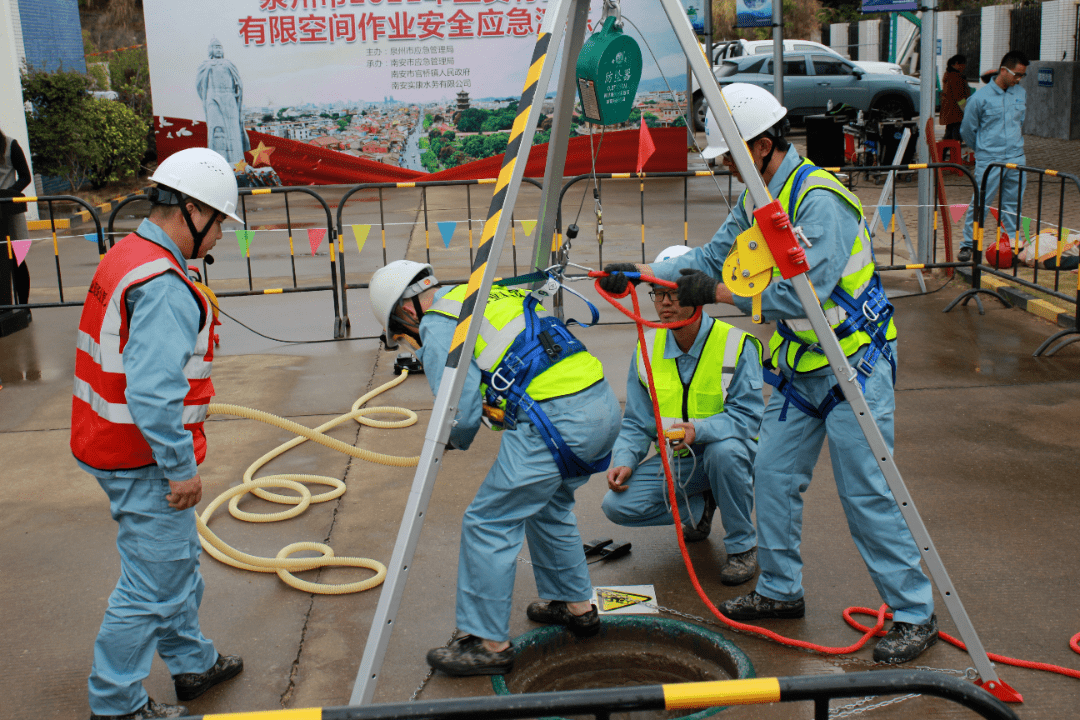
pixel 498 199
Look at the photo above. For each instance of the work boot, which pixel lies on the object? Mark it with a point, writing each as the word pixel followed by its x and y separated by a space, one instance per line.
pixel 557 613
pixel 758 607
pixel 150 710
pixel 739 567
pixel 905 641
pixel 468 656
pixel 697 533
pixel 965 255
pixel 191 685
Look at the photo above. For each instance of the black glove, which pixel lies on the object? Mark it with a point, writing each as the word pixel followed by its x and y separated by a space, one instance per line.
pixel 615 282
pixel 695 288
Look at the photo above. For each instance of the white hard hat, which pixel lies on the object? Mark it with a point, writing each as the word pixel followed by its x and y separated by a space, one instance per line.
pixel 755 110
pixel 671 252
pixel 394 282
pixel 202 174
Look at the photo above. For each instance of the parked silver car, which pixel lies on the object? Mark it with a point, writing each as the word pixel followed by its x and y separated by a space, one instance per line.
pixel 812 79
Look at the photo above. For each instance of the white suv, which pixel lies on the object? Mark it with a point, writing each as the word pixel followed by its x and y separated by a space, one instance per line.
pixel 728 49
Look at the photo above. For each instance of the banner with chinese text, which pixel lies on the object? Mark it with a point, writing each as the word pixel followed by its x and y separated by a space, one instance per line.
pixel 413 86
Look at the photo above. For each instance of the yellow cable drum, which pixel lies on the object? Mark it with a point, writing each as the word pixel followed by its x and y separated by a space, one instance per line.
pixel 283 564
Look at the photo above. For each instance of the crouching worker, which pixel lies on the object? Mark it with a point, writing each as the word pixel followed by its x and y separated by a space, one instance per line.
pixel 708 383
pixel 142 387
pixel 561 419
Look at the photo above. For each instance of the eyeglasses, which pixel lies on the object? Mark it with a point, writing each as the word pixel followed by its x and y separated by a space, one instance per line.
pixel 662 295
pixel 1019 76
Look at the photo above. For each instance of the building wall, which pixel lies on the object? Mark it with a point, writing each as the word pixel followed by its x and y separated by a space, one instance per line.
pixel 1052 109
pixel 869 40
pixel 995 37
pixel 1058 26
pixel 947 25
pixel 52 34
pixel 838 38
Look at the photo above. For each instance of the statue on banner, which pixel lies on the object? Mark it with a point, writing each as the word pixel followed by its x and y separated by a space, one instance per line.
pixel 222 94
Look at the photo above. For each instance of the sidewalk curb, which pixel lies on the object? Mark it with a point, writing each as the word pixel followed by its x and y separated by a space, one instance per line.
pixel 1022 300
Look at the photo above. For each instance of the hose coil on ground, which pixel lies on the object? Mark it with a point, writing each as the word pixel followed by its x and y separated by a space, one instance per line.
pixel 283 564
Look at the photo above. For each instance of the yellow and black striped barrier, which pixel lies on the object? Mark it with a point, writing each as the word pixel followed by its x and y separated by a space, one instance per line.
pixel 600 703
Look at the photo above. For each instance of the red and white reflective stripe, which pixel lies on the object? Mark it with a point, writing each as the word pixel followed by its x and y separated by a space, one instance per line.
pixel 119 414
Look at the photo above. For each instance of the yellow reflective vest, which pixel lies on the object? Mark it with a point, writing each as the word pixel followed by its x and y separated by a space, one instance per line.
pixel 503 321
pixel 704 395
pixel 856 276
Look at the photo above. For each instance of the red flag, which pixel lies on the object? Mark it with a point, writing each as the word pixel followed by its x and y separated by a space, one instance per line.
pixel 315 237
pixel 645 147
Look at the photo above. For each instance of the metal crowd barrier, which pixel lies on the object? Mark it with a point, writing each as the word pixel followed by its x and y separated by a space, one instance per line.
pixel 423 187
pixel 54 223
pixel 245 193
pixel 601 703
pixel 1014 206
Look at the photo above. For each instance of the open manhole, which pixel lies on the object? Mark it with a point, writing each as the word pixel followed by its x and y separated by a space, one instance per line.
pixel 629 650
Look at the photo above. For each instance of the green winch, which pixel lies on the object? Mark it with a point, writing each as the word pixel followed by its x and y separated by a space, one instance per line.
pixel 608 73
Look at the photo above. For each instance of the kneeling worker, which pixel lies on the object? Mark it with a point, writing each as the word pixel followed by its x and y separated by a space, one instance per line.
pixel 708 383
pixel 561 420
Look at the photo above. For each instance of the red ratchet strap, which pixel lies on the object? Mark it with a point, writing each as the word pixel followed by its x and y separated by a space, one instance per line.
pixel 881 613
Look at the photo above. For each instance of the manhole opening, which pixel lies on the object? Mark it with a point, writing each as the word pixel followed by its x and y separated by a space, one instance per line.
pixel 630 650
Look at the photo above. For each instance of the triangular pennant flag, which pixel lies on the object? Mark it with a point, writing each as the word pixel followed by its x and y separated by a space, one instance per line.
pixel 447 228
pixel 528 226
pixel 244 238
pixel 1026 224
pixel 92 237
pixel 360 232
pixel 646 147
pixel 315 237
pixel 957 212
pixel 21 247
pixel 886 216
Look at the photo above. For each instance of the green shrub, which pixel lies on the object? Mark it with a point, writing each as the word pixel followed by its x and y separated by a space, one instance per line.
pixel 76 137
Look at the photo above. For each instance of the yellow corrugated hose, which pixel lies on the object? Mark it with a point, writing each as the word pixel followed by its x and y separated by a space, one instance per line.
pixel 283 564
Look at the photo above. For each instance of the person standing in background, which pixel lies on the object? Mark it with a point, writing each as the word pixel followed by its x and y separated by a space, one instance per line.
pixel 14 178
pixel 954 92
pixel 993 127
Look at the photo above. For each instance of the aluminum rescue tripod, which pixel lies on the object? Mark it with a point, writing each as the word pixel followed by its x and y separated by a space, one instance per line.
pixel 568 18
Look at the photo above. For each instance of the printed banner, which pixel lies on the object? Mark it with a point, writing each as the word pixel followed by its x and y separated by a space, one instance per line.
pixel 397 88
pixel 695 11
pixel 753 13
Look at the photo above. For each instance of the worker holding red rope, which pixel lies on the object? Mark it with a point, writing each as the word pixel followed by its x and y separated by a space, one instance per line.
pixel 716 424
pixel 842 271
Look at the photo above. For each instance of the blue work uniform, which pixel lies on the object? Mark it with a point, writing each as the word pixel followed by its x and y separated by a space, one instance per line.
pixel 723 451
pixel 155 605
pixel 523 495
pixel 789 448
pixel 993 128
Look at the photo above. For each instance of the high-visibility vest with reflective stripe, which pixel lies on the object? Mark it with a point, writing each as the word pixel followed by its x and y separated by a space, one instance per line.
pixel 103 433
pixel 503 320
pixel 856 275
pixel 704 395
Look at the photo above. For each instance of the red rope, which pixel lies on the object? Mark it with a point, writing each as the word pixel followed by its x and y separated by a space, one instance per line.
pixel 881 613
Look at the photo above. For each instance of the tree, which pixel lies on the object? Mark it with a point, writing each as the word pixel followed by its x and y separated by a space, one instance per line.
pixel 471 120
pixel 77 137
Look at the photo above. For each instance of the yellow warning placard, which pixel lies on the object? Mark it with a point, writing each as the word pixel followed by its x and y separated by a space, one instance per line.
pixel 625 599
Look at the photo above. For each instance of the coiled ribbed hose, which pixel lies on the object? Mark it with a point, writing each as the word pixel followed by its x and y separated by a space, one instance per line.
pixel 283 564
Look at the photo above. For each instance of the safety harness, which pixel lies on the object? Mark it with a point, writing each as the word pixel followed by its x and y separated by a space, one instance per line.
pixel 544 342
pixel 870 313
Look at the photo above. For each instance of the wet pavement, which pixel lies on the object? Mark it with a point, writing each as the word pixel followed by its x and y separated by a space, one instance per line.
pixel 985 439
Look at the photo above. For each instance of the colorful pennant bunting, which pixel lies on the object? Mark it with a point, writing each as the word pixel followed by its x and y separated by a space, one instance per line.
pixel 243 239
pixel 315 238
pixel 360 232
pixel 957 212
pixel 528 226
pixel 447 227
pixel 21 247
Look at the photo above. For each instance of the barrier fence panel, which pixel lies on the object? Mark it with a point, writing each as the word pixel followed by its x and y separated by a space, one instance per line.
pixel 1039 252
pixel 15 247
pixel 406 219
pixel 601 703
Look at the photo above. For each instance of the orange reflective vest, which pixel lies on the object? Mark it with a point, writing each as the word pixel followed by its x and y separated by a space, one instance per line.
pixel 103 434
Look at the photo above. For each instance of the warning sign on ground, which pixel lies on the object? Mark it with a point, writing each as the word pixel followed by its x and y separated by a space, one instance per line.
pixel 625 600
